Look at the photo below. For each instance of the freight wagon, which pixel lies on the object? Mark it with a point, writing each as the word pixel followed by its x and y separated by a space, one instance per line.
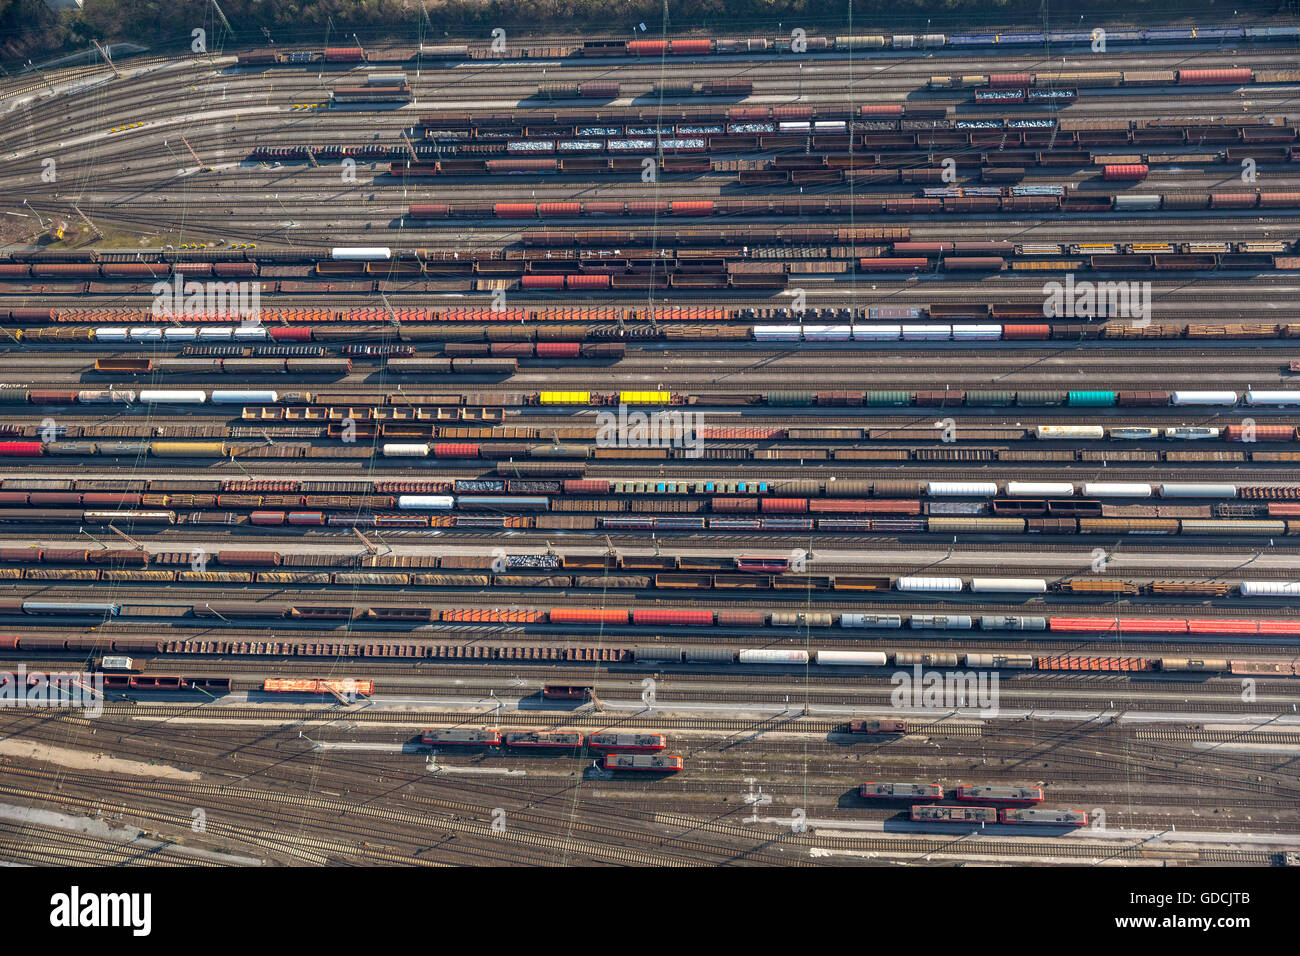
pixel 931 813
pixel 1040 817
pixel 461 737
pixel 627 742
pixel 345 687
pixel 900 791
pixel 544 740
pixel 1000 794
pixel 664 763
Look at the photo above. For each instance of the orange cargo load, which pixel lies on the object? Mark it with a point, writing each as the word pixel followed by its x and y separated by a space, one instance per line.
pixel 471 615
pixel 1094 664
pixel 304 685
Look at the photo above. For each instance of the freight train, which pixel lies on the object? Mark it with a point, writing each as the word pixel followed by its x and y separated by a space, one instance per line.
pixel 798 44
pixel 355 407
pixel 382 493
pixel 1059 513
pixel 612 744
pixel 503 348
pixel 1240 527
pixel 732 128
pixel 599 267
pixel 658 656
pixel 872 205
pixel 540 571
pixel 743 497
pixel 861 143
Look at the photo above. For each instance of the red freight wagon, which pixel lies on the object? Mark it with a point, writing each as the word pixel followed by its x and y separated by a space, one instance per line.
pixel 344 54
pixel 1105 625
pixel 692 208
pixel 430 211
pixel 559 349
pixel 21 449
pixel 546 282
pixel 1125 171
pixel 782 505
pixel 586 486
pixel 1228 77
pixel 48 499
pixel 1262 432
pixel 1026 331
pixel 691 46
pixel 456 450
pixel 556 208
pixel 1010 81
pixel 280 334
pixel 647 47
pixel 583 281
pixel 579 615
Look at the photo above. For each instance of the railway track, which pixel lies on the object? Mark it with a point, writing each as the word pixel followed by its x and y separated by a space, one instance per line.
pixel 283 781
